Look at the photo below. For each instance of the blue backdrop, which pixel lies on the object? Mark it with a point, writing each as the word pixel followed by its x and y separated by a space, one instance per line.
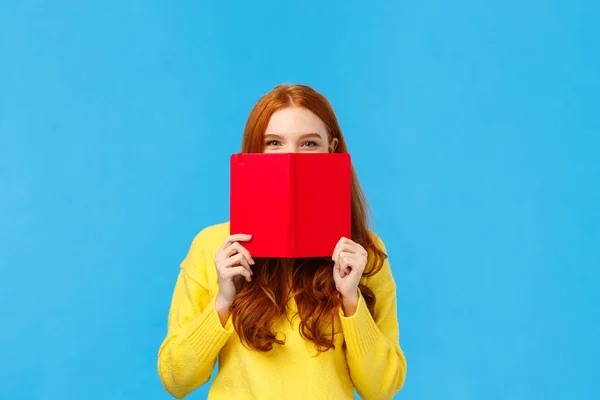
pixel 474 127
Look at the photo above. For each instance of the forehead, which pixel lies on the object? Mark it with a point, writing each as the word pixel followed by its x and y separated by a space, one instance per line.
pixel 295 120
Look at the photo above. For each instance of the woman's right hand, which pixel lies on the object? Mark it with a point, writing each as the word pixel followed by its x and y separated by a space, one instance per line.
pixel 233 264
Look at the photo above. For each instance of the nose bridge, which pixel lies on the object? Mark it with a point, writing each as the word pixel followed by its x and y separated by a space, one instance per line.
pixel 291 148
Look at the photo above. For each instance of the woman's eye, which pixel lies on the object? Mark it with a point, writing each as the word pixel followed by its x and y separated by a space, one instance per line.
pixel 310 144
pixel 272 143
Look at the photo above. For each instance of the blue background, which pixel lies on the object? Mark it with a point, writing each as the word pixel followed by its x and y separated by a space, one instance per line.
pixel 474 127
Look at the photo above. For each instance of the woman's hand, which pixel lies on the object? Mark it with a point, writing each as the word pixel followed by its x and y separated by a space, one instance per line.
pixel 350 261
pixel 233 263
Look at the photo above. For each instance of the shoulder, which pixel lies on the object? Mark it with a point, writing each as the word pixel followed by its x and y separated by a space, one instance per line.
pixel 383 278
pixel 212 237
pixel 376 248
pixel 377 241
pixel 198 264
pixel 207 242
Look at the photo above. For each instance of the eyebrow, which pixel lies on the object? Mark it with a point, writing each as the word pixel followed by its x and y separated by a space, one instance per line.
pixel 312 135
pixel 272 136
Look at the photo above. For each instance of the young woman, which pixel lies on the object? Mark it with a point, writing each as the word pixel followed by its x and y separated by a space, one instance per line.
pixel 286 329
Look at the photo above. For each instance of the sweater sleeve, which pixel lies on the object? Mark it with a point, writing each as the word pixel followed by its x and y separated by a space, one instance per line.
pixel 376 362
pixel 195 335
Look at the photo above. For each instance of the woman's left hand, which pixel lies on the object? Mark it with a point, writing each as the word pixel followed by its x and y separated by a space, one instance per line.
pixel 350 261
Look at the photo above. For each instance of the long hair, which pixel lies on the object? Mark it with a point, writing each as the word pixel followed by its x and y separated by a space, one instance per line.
pixel 261 302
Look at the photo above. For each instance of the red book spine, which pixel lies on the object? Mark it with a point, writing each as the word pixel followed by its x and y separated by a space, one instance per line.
pixel 292 205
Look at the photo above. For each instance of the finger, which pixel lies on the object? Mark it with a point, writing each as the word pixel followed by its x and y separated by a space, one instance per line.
pixel 340 269
pixel 354 248
pixel 339 249
pixel 229 273
pixel 351 247
pixel 241 260
pixel 238 260
pixel 346 254
pixel 353 244
pixel 345 266
pixel 239 237
pixel 337 272
pixel 335 251
pixel 356 263
pixel 343 245
pixel 238 248
pixel 348 260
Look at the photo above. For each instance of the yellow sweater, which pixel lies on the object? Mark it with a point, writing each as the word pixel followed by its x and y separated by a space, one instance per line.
pixel 372 361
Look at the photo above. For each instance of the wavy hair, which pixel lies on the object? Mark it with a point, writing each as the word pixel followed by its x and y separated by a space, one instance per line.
pixel 263 301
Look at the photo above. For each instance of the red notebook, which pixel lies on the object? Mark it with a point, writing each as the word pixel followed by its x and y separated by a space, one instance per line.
pixel 294 204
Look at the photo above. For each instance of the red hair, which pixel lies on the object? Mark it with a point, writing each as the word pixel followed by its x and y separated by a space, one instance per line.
pixel 261 302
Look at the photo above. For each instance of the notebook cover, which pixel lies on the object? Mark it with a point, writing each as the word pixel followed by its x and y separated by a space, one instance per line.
pixel 261 202
pixel 294 205
pixel 322 203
